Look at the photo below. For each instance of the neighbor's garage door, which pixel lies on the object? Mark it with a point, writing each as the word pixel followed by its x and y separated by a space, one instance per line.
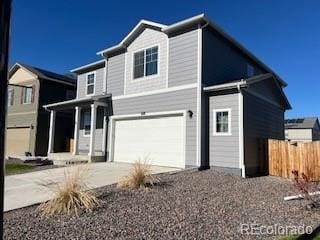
pixel 17 141
pixel 160 140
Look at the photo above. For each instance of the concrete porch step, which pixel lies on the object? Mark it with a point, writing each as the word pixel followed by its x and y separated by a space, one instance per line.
pixel 62 159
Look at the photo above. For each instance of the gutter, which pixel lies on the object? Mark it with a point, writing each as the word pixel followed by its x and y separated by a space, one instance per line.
pixel 242 83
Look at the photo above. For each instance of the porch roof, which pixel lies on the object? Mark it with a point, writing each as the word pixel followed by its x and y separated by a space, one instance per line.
pixel 77 102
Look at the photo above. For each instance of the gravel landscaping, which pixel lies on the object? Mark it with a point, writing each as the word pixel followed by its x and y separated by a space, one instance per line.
pixel 186 205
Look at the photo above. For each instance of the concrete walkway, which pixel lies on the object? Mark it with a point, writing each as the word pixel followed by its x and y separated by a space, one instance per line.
pixel 23 190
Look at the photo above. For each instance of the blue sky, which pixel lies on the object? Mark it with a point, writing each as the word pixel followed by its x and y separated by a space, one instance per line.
pixel 63 34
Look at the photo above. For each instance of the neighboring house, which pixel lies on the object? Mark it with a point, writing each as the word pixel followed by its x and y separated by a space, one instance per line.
pixel 302 129
pixel 27 121
pixel 180 95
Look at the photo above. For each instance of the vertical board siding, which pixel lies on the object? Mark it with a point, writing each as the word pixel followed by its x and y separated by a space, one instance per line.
pixel 262 120
pixel 82 83
pixel 221 61
pixel 115 75
pixel 285 157
pixel 172 101
pixel 183 58
pixel 148 38
pixel 224 150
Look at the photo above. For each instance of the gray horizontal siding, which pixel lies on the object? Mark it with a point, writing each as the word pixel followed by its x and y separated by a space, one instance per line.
pixel 178 100
pixel 262 121
pixel 224 150
pixel 84 141
pixel 82 83
pixel 115 74
pixel 183 58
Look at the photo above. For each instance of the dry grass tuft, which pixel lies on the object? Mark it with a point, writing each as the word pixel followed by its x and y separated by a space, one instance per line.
pixel 140 176
pixel 71 195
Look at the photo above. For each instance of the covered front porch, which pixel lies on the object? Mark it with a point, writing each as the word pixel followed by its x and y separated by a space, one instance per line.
pixel 90 130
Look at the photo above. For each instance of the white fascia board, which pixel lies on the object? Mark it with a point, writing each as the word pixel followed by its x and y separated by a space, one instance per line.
pixel 183 23
pixel 87 65
pixel 225 86
pixel 122 43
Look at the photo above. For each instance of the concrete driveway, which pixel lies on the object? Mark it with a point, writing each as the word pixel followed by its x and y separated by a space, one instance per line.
pixel 23 190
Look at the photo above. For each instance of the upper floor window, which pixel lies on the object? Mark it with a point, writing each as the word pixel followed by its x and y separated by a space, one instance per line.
pixel 90 83
pixel 10 97
pixel 27 95
pixel 222 122
pixel 145 62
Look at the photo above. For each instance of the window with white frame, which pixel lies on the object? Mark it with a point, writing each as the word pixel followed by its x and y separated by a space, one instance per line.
pixel 10 97
pixel 222 122
pixel 145 62
pixel 90 83
pixel 87 123
pixel 27 95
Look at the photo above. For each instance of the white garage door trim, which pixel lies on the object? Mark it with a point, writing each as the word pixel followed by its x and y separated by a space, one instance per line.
pixel 114 118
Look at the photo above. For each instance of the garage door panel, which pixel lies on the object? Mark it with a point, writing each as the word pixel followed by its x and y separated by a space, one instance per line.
pixel 17 141
pixel 160 140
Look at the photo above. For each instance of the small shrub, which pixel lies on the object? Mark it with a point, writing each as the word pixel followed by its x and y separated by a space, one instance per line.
pixel 71 195
pixel 305 187
pixel 140 176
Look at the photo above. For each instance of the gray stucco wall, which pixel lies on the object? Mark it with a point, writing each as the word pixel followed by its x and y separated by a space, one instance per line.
pixel 82 83
pixel 222 61
pixel 183 58
pixel 115 74
pixel 171 101
pixel 262 120
pixel 224 150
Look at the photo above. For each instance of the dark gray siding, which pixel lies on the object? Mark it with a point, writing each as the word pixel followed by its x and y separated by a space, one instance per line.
pixel 82 84
pixel 183 58
pixel 171 101
pixel 221 61
pixel 316 132
pixel 224 150
pixel 52 92
pixel 115 74
pixel 262 120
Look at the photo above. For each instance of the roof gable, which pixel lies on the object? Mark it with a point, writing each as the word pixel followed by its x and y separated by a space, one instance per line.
pixel 143 24
pixel 42 74
pixel 19 75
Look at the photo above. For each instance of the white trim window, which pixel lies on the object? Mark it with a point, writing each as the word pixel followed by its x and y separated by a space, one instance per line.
pixel 90 82
pixel 145 62
pixel 10 97
pixel 222 122
pixel 27 95
pixel 86 123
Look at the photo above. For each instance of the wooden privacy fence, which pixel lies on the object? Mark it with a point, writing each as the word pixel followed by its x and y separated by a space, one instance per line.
pixel 285 157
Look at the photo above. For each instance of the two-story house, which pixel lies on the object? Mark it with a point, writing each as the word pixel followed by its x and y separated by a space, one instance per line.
pixel 180 95
pixel 27 121
pixel 302 129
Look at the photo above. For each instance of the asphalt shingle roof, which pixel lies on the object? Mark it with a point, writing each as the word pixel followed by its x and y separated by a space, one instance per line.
pixel 303 123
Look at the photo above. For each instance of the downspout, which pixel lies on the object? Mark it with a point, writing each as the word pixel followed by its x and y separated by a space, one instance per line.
pixel 241 130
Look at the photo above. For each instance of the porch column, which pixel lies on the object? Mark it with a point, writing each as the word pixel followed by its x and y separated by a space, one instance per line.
pixel 104 139
pixel 76 130
pixel 51 131
pixel 93 129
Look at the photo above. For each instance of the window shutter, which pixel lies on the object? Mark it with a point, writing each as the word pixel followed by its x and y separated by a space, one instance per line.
pixel 22 95
pixel 32 95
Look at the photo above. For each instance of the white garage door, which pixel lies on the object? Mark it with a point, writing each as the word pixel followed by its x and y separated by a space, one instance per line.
pixel 17 141
pixel 160 140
